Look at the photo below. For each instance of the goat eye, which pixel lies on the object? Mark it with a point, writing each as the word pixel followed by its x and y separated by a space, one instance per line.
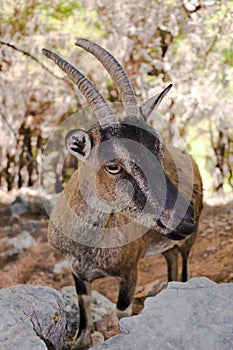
pixel 113 169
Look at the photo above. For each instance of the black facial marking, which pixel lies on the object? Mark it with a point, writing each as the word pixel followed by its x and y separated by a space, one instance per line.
pixel 139 197
pixel 145 137
pixel 78 145
pixel 78 150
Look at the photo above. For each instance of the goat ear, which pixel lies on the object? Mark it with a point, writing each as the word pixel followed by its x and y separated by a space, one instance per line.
pixel 78 143
pixel 150 105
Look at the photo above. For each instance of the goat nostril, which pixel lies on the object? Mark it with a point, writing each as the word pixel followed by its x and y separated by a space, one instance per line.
pixel 160 224
pixel 190 217
pixel 190 221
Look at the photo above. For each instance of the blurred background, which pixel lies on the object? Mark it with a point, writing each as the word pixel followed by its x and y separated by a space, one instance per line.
pixel 188 43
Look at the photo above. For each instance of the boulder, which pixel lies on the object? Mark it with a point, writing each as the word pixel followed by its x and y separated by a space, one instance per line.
pixel 11 247
pixel 31 318
pixel 18 207
pixel 72 313
pixel 22 240
pixel 30 201
pixel 194 315
pixel 103 313
pixel 61 266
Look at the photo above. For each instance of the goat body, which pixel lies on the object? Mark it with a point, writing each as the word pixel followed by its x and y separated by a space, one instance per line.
pixel 131 195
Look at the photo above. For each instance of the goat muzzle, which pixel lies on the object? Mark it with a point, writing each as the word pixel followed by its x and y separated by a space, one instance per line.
pixel 186 226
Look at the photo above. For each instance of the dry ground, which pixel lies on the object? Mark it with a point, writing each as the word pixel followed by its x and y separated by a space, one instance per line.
pixel 212 256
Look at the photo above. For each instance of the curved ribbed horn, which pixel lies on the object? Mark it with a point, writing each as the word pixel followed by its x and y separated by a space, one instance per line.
pixel 97 102
pixel 116 72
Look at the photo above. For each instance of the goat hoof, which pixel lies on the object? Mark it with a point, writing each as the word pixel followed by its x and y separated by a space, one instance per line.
pixel 124 313
pixel 82 341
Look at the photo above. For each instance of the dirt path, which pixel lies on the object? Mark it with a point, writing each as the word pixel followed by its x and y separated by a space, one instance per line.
pixel 212 256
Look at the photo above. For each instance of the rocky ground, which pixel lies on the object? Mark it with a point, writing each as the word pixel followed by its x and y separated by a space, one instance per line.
pixel 27 258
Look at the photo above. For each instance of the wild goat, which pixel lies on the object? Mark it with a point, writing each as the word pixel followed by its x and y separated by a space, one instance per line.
pixel 130 196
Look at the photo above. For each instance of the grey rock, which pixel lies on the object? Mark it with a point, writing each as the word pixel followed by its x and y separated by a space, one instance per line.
pixel 22 240
pixel 36 206
pixel 72 313
pixel 194 315
pixel 32 203
pixel 103 313
pixel 61 266
pixel 30 225
pixel 101 306
pixel 10 254
pixel 14 245
pixel 31 318
pixel 18 207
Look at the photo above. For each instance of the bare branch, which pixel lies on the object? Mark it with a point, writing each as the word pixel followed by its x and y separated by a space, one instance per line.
pixel 37 61
pixel 9 125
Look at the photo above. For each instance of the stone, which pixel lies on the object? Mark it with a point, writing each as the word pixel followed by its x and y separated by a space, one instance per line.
pixel 72 313
pixel 10 254
pixel 18 207
pixel 30 225
pixel 61 266
pixel 103 313
pixel 97 338
pixel 194 315
pixel 31 318
pixel 22 240
pixel 30 201
pixel 13 246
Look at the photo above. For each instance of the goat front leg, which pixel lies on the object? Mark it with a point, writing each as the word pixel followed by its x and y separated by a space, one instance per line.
pixel 171 257
pixel 184 274
pixel 83 338
pixel 127 287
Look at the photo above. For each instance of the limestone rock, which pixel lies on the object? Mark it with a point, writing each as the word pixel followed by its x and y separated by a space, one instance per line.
pixel 72 313
pixel 12 247
pixel 22 240
pixel 194 315
pixel 103 313
pixel 30 201
pixel 61 266
pixel 31 318
pixel 18 207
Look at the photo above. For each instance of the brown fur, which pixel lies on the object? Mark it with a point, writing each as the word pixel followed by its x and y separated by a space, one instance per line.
pixel 89 263
pixel 104 222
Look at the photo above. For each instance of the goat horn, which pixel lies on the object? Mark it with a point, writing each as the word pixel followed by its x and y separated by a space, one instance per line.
pixel 97 102
pixel 116 72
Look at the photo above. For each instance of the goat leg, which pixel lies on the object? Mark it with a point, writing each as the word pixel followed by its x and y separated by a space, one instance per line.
pixel 83 338
pixel 127 287
pixel 171 256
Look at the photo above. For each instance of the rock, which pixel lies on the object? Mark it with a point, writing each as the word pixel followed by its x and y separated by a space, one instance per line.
pixel 61 266
pixel 22 240
pixel 37 206
pixel 30 225
pixel 8 255
pixel 30 201
pixel 12 247
pixel 103 313
pixel 31 318
pixel 18 207
pixel 72 313
pixel 192 315
pixel 97 338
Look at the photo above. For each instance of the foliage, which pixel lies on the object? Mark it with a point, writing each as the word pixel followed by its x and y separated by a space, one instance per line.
pixel 185 42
